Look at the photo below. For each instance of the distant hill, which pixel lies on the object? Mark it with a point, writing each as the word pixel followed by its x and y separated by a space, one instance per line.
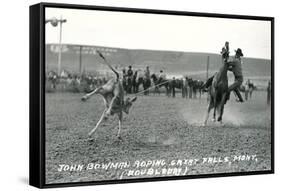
pixel 172 62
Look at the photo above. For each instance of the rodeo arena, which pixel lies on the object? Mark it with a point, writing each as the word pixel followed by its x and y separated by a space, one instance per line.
pixel 110 105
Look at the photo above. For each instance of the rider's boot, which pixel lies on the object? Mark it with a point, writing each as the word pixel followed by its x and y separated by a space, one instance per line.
pixel 240 98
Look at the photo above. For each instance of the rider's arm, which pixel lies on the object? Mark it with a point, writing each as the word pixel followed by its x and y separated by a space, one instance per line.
pixel 231 63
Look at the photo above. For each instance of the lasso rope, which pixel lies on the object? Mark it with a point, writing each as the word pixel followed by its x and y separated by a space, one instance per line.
pixel 151 88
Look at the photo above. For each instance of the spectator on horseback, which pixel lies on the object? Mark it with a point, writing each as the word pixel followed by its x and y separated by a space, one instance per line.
pixel 130 74
pixel 146 80
pixel 147 73
pixel 135 81
pixel 124 73
pixel 236 67
pixel 162 76
pixel 136 74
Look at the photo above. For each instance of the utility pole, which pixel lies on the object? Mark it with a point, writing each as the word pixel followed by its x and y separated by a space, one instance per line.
pixel 80 59
pixel 207 69
pixel 54 22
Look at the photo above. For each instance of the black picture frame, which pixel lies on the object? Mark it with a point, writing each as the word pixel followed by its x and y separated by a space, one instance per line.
pixel 37 93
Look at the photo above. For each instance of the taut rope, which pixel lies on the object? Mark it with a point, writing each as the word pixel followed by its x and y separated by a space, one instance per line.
pixel 151 88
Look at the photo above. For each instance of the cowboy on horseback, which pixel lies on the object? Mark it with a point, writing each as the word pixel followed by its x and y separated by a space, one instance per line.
pixel 147 73
pixel 235 66
pixel 162 76
pixel 130 74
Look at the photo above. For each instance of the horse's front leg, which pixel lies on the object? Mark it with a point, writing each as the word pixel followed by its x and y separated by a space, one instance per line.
pixel 221 107
pixel 211 105
pixel 215 107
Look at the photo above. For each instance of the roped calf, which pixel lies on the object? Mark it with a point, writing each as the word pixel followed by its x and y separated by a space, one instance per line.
pixel 113 96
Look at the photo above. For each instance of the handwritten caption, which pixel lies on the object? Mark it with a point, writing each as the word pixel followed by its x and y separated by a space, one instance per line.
pixel 159 167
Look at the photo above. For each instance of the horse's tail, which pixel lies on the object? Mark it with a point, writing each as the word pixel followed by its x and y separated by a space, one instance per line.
pixel 105 61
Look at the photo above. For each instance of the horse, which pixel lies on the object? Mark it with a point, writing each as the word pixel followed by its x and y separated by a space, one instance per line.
pixel 52 77
pixel 135 83
pixel 129 84
pixel 146 83
pixel 140 79
pixel 218 93
pixel 197 87
pixel 160 82
pixel 173 84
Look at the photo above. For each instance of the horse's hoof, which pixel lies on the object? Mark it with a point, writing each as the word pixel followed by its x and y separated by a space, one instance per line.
pixel 213 120
pixel 219 119
pixel 84 98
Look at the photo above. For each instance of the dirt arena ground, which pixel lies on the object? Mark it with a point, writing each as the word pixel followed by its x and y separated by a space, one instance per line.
pixel 156 128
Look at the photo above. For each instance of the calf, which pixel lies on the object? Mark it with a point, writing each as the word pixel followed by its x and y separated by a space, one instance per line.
pixel 113 96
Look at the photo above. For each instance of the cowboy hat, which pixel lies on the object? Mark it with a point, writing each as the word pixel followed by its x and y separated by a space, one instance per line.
pixel 239 51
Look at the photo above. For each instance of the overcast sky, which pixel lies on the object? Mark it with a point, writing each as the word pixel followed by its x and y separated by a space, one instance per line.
pixel 160 32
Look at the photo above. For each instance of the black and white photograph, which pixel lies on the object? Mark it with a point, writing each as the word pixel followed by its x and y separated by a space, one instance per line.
pixel 131 95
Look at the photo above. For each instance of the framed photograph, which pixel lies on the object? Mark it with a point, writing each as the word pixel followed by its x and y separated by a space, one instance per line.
pixel 127 95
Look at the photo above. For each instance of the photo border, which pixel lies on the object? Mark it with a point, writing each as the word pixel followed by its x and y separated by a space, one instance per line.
pixel 37 165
